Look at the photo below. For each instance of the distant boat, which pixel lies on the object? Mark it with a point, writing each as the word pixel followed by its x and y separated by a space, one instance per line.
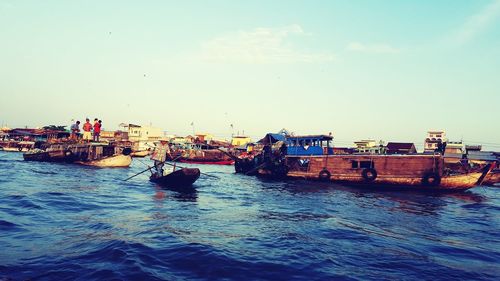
pixel 115 161
pixel 203 154
pixel 140 153
pixel 18 146
pixel 89 154
pixel 184 177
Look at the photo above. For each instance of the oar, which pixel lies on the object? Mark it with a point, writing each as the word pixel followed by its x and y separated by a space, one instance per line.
pixel 200 172
pixel 143 171
pixel 142 162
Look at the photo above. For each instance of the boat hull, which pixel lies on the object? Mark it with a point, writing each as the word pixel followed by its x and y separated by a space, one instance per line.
pixel 184 177
pixel 48 156
pixel 447 183
pixel 116 161
pixel 142 153
pixel 492 178
pixel 15 149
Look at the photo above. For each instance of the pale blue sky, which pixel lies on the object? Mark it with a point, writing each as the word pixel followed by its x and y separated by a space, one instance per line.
pixel 386 70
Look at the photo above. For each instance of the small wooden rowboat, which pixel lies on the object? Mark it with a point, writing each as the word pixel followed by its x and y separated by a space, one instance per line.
pixel 180 178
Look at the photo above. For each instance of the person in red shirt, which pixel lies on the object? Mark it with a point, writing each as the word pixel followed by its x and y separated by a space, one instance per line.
pixel 97 129
pixel 87 128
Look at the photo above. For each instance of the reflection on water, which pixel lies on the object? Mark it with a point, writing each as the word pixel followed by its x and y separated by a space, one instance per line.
pixel 181 194
pixel 81 223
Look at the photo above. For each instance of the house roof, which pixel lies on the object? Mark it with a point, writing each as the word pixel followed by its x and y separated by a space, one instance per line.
pixel 399 145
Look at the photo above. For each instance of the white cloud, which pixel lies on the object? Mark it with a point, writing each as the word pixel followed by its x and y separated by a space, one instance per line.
pixel 260 45
pixel 372 48
pixel 477 23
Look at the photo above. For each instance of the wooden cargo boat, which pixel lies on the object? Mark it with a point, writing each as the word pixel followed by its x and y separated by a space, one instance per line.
pixel 184 177
pixel 91 154
pixel 307 157
pixel 426 172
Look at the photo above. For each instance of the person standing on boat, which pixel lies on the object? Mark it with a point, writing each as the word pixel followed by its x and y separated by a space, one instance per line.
pixel 87 128
pixel 160 156
pixel 97 129
pixel 75 131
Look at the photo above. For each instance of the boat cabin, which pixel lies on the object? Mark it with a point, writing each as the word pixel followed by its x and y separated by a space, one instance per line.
pixel 309 145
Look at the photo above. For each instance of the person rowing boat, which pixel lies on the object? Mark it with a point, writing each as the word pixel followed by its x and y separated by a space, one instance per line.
pixel 160 153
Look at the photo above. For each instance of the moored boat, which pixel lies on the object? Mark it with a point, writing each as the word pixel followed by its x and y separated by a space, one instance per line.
pixel 307 158
pixel 89 154
pixel 114 161
pixel 184 177
pixel 18 146
pixel 426 172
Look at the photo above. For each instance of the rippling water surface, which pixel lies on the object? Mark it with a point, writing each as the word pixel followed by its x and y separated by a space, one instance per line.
pixel 69 222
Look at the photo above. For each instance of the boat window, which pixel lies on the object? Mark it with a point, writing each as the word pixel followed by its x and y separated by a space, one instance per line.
pixel 304 165
pixel 304 162
pixel 366 164
pixel 354 164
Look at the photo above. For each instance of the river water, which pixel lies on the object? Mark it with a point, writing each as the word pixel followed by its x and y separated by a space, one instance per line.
pixel 69 222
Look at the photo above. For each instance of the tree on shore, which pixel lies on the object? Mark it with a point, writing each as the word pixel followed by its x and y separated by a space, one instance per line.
pixel 55 128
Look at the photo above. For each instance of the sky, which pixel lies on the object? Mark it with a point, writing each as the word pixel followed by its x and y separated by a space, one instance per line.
pixel 386 70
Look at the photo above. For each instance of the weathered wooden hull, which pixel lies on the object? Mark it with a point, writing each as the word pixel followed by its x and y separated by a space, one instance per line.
pixel 116 161
pixel 48 156
pixel 451 182
pixel 184 177
pixel 492 178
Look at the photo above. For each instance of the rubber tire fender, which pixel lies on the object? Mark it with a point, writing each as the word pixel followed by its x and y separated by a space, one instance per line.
pixel 84 156
pixel 281 171
pixel 324 175
pixel 431 179
pixel 369 174
pixel 68 155
pixel 127 151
